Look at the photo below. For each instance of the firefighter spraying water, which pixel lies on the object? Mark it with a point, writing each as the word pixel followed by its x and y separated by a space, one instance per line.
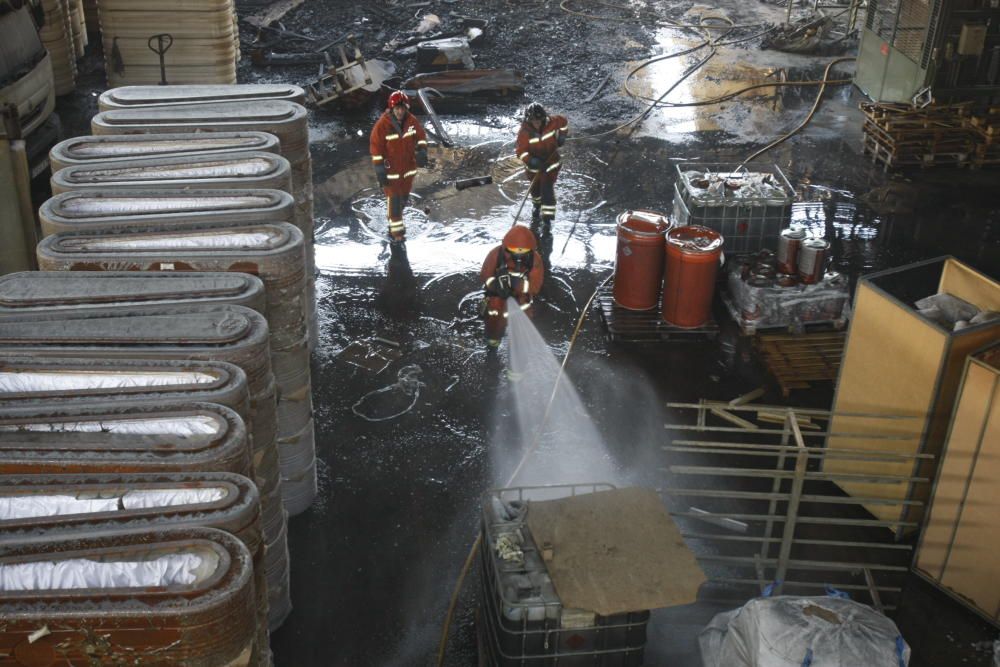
pixel 512 270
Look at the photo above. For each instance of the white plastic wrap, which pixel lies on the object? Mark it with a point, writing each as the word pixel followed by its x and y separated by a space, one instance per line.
pixel 183 426
pixel 721 188
pixel 152 498
pixel 33 506
pixel 221 169
pixel 213 240
pixel 16 382
pixel 87 206
pixel 112 149
pixel 76 573
pixel 795 631
pixel 776 306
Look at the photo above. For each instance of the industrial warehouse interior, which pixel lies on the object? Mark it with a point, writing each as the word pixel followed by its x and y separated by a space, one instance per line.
pixel 496 333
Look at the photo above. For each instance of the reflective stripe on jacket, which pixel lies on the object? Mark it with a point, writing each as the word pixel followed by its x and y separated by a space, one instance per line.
pixel 395 145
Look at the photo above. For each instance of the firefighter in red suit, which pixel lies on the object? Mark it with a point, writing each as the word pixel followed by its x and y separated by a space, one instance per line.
pixel 398 146
pixel 538 144
pixel 512 269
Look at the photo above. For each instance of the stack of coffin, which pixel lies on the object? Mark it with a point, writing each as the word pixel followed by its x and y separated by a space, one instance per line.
pixel 170 596
pixel 41 508
pixel 68 373
pixel 204 50
pixel 272 251
pixel 57 36
pixel 263 108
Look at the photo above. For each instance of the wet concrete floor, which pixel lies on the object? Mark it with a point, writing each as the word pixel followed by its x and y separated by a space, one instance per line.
pixel 403 466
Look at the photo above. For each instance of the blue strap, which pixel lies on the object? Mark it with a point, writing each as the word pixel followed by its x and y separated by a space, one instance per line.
pixel 769 589
pixel 837 593
pixel 808 659
pixel 900 650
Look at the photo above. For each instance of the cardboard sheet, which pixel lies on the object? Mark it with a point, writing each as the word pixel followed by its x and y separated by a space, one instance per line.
pixel 614 551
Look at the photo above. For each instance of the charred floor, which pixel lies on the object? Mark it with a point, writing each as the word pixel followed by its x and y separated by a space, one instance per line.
pixel 414 418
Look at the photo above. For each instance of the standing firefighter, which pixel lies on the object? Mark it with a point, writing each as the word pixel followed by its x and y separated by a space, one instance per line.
pixel 398 146
pixel 512 269
pixel 538 145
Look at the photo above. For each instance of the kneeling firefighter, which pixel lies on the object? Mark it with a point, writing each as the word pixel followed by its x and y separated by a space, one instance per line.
pixel 513 269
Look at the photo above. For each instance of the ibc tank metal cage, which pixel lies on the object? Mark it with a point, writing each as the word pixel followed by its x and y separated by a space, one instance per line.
pixel 749 217
pixel 521 620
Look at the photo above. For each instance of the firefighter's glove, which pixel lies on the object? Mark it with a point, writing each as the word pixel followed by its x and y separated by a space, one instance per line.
pixel 500 287
pixel 535 163
pixel 383 178
pixel 421 156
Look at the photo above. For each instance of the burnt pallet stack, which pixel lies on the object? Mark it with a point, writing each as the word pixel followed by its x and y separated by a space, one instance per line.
pixel 985 128
pixel 900 136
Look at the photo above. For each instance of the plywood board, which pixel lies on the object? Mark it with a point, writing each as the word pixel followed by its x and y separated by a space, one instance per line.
pixel 614 552
pixel 973 570
pixel 968 284
pixel 957 467
pixel 891 366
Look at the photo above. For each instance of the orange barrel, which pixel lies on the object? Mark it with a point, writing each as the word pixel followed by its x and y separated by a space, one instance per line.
pixel 693 254
pixel 639 260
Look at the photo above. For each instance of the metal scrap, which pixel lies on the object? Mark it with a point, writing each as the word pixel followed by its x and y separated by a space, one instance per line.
pixel 442 134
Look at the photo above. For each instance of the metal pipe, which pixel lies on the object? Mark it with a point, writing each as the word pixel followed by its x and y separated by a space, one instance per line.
pixel 816 543
pixel 818 434
pixel 819 450
pixel 804 564
pixel 429 108
pixel 756 472
pixel 809 498
pixel 788 535
pixel 750 450
pixel 812 520
pixel 755 407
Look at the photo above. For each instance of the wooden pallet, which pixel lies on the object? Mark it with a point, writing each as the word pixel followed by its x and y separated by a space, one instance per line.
pixel 898 136
pixel 645 326
pixel 799 361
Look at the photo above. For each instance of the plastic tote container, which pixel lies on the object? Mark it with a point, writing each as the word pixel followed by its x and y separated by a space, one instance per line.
pixel 639 259
pixel 522 621
pixel 693 257
pixel 99 149
pixel 115 210
pixel 200 612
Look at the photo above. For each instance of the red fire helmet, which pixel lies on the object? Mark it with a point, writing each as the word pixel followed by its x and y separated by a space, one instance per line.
pixel 519 240
pixel 398 97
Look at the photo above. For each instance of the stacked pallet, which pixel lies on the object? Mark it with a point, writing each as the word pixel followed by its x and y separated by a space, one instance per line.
pixel 900 136
pixel 985 129
pixel 57 36
pixel 801 360
pixel 204 48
